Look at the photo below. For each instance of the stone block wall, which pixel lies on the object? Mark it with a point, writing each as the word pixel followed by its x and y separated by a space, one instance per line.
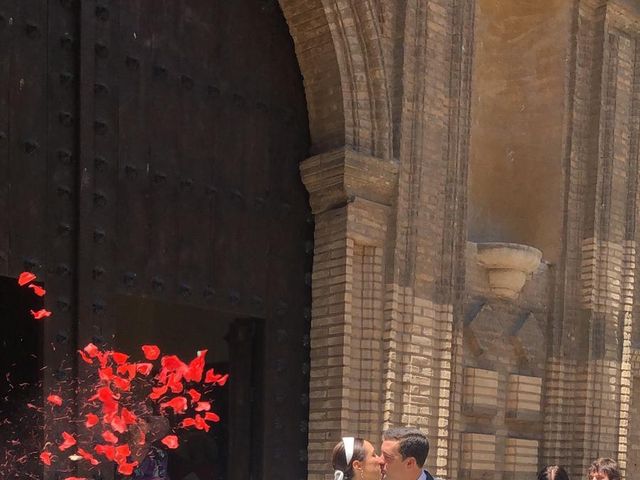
pixel 405 326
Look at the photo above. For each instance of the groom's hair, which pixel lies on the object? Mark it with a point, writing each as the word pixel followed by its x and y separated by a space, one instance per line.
pixel 413 443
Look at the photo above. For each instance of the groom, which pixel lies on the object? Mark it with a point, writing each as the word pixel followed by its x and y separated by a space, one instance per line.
pixel 404 451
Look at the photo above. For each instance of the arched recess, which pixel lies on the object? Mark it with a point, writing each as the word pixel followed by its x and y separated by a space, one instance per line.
pixel 341 52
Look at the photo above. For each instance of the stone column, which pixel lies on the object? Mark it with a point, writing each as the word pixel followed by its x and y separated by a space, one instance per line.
pixel 350 196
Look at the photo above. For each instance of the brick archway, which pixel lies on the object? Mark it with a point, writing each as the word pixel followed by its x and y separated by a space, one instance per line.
pixel 387 89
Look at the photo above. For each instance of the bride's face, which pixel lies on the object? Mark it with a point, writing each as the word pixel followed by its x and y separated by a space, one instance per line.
pixel 371 467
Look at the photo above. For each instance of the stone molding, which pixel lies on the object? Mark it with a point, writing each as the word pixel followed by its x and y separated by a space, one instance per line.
pixel 336 178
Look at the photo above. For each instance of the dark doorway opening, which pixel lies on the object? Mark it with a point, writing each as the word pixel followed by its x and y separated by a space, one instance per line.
pixel 21 403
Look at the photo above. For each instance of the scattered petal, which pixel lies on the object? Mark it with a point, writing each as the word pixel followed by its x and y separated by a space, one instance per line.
pixel 171 441
pixel 109 437
pixel 54 400
pixel 92 350
pixel 25 277
pixel 39 291
pixel 178 404
pixel 40 314
pixel 128 417
pixel 211 417
pixel 119 358
pixel 126 468
pixel 151 352
pixel 92 420
pixel 158 392
pixel 85 357
pixel 195 395
pixel 109 451
pixel 88 457
pixel 144 368
pixel 45 457
pixel 203 407
pixel 69 441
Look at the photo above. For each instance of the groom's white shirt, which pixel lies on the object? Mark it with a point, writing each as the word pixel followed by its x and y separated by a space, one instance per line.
pixel 423 476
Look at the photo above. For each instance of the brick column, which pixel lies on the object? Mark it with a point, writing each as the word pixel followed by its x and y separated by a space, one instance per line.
pixel 350 194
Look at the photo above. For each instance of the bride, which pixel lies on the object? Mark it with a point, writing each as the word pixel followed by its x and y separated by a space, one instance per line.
pixel 356 459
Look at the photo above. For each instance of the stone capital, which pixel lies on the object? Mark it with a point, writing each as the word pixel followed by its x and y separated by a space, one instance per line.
pixel 338 177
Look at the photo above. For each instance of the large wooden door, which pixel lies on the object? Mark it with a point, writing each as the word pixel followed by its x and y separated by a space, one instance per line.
pixel 149 158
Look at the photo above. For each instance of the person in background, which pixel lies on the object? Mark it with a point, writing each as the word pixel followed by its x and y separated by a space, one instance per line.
pixel 604 469
pixel 553 472
pixel 153 461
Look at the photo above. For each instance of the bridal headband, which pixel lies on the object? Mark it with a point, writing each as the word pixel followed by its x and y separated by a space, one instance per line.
pixel 348 443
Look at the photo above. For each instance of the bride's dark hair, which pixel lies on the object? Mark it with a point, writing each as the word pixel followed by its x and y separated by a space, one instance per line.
pixel 339 458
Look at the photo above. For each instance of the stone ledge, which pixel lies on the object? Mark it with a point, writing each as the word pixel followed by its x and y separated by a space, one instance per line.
pixel 337 177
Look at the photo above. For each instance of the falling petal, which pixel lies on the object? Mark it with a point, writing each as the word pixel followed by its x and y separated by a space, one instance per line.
pixel 119 358
pixel 69 441
pixel 92 420
pixel 195 395
pixel 54 400
pixel 144 368
pixel 151 352
pixel 126 468
pixel 178 404
pixel 40 314
pixel 85 357
pixel 45 457
pixel 109 437
pixel 39 291
pixel 171 441
pixel 25 277
pixel 211 417
pixel 92 350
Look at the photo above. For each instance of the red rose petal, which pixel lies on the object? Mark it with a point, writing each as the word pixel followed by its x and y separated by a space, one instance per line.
pixel 203 407
pixel 126 468
pixel 158 392
pixel 178 404
pixel 118 425
pixel 119 358
pixel 45 457
pixel 195 395
pixel 40 314
pixel 151 352
pixel 69 441
pixel 25 277
pixel 85 357
pixel 91 350
pixel 109 451
pixel 128 417
pixel 54 400
pixel 87 456
pixel 211 417
pixel 39 291
pixel 144 368
pixel 171 441
pixel 92 420
pixel 109 437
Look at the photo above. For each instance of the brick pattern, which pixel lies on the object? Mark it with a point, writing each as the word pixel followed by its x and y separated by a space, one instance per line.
pixel 524 396
pixel 588 390
pixel 366 341
pixel 365 63
pixel 478 456
pixel 521 458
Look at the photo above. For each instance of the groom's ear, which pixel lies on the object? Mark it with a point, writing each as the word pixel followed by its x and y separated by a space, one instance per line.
pixel 411 462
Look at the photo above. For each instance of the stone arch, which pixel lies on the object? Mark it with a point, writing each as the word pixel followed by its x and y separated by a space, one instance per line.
pixel 341 52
